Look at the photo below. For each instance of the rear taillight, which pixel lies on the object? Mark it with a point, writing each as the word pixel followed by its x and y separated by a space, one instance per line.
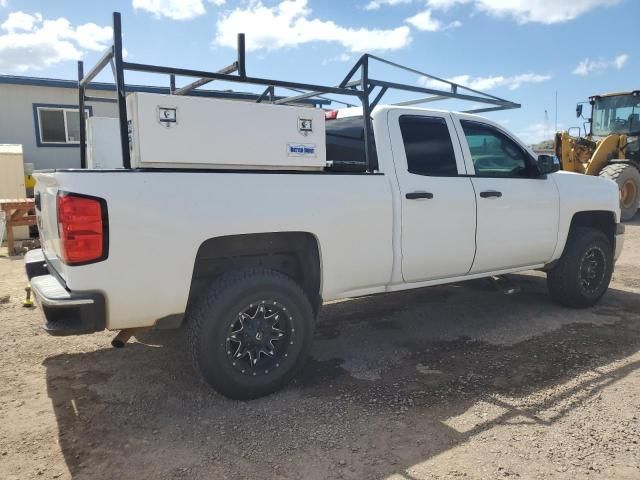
pixel 330 114
pixel 83 228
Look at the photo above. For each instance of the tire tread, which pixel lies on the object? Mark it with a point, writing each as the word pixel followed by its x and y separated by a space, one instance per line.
pixel 561 285
pixel 613 172
pixel 201 313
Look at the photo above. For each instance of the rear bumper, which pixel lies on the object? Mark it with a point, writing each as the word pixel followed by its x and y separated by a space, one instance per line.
pixel 35 264
pixel 66 313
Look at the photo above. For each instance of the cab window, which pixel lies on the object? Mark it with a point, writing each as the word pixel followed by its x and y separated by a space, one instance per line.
pixel 493 153
pixel 345 144
pixel 428 147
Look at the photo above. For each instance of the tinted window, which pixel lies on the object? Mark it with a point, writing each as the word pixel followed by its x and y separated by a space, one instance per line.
pixel 52 126
pixel 493 153
pixel 345 142
pixel 59 125
pixel 427 144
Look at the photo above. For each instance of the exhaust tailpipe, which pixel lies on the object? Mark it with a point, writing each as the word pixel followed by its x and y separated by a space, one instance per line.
pixel 123 336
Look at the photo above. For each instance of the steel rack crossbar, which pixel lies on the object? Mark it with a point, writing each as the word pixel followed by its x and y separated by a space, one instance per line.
pixel 361 88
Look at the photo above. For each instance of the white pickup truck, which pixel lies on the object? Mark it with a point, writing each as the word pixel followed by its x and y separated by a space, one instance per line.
pixel 245 259
pixel 238 219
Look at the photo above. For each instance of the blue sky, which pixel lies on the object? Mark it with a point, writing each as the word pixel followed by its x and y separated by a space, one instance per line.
pixel 522 50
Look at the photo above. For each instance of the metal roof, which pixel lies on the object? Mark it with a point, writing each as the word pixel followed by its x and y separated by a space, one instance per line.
pixel 617 94
pixel 110 87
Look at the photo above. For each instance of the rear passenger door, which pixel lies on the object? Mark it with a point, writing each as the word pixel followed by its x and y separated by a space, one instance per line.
pixel 438 206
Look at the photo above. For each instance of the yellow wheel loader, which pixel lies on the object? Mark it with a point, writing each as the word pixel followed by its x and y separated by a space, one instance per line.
pixel 611 149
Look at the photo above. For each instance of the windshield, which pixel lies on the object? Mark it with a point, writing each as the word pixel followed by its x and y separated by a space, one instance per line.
pixel 619 114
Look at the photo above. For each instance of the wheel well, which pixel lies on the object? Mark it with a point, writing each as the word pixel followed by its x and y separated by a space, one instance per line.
pixel 601 220
pixel 295 254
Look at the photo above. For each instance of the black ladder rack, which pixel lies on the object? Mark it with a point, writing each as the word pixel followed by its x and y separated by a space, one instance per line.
pixel 361 88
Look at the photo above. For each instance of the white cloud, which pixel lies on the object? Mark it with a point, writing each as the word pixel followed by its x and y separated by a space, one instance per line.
pixel 620 61
pixel 3 3
pixel 290 24
pixel 93 37
pixel 20 21
pixel 587 66
pixel 174 9
pixel 376 4
pixel 487 83
pixel 526 11
pixel 425 22
pixel 29 42
pixel 445 4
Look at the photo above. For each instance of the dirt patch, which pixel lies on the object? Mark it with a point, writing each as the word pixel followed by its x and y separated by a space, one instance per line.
pixel 448 382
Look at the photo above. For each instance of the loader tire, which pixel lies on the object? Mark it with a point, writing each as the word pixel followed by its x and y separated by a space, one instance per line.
pixel 627 176
pixel 582 275
pixel 250 333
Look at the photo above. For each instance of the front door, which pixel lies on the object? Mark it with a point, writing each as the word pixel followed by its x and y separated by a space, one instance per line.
pixel 517 209
pixel 437 201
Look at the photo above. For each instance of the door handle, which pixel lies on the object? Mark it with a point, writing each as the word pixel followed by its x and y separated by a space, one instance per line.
pixel 417 195
pixel 490 193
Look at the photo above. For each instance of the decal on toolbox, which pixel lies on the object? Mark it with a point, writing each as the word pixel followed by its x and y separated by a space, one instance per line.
pixel 301 149
pixel 305 126
pixel 167 116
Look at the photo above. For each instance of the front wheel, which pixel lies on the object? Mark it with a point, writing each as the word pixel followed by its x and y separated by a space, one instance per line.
pixel 583 273
pixel 250 333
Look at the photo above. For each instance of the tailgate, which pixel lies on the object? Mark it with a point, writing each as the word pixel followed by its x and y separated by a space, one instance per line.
pixel 46 191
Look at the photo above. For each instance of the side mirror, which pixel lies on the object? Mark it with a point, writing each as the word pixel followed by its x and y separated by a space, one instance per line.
pixel 548 164
pixel 578 110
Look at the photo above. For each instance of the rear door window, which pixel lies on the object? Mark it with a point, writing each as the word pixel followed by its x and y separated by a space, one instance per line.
pixel 428 146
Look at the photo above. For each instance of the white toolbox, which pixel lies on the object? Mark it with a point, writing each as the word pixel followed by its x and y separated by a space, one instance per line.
pixel 104 149
pixel 173 131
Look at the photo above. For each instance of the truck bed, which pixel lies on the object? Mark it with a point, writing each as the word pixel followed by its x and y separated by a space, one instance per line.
pixel 158 220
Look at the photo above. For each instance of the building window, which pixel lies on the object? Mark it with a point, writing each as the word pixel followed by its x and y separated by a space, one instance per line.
pixel 58 125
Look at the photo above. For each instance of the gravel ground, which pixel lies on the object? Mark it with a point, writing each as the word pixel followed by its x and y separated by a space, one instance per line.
pixel 459 381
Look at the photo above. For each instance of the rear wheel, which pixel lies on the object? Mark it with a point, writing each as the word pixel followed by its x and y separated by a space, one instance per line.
pixel 627 176
pixel 583 273
pixel 250 333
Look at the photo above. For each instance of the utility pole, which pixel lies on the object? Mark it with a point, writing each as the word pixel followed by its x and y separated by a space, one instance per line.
pixel 546 124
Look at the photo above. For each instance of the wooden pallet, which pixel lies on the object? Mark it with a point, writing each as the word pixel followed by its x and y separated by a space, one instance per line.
pixel 17 215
